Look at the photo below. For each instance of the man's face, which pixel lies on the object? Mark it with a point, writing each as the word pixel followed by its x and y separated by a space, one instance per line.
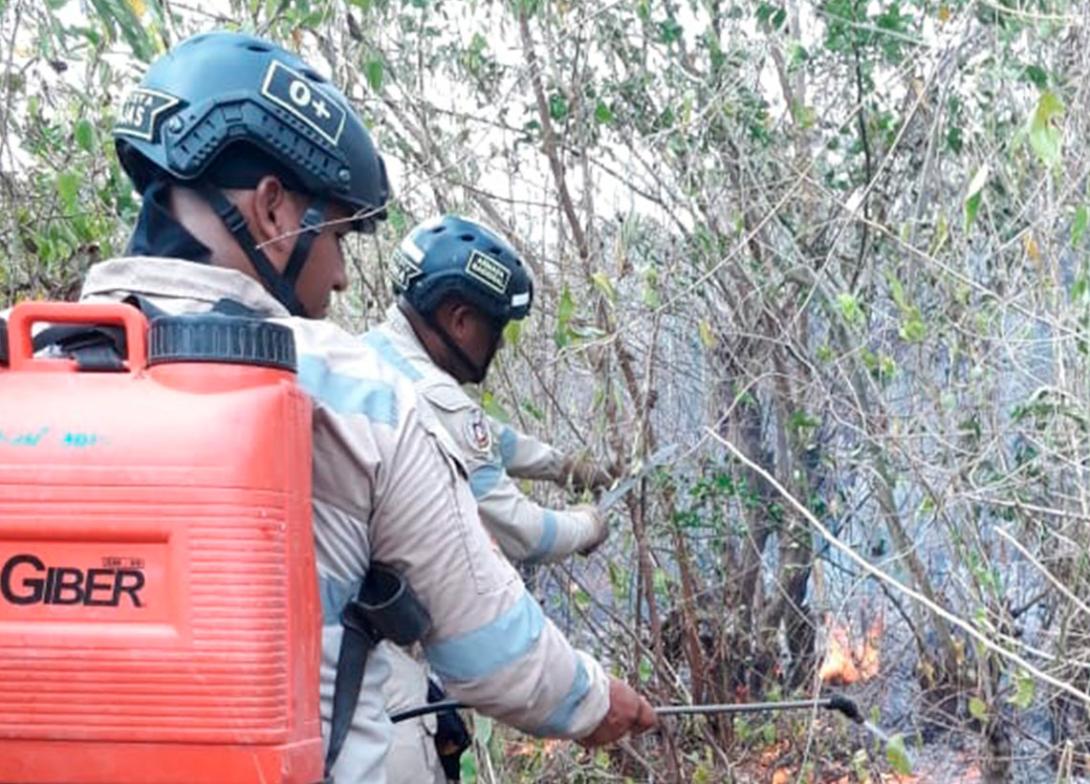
pixel 481 340
pixel 324 270
pixel 474 333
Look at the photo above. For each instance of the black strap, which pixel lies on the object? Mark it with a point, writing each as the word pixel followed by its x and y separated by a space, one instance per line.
pixel 150 310
pixel 310 227
pixel 357 642
pixel 95 348
pixel 385 608
pixel 479 371
pixel 451 734
pixel 277 284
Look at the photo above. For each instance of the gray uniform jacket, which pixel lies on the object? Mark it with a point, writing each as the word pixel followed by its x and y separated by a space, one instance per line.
pixel 387 487
pixel 492 452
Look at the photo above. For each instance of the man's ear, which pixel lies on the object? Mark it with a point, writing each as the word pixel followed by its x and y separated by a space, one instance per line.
pixel 271 217
pixel 458 319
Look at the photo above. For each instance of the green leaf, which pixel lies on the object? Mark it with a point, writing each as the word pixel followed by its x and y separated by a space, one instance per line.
pixel 1078 225
pixel 849 309
pixel 1079 287
pixel 397 220
pixel 373 70
pixel 482 729
pixel 1044 137
pixel 1037 75
pixel 603 114
pixel 1024 689
pixel 771 15
pixel 897 291
pixel 558 106
pixel 768 733
pixel 467 766
pixel 533 410
pixel 978 709
pixel 913 329
pixel 660 581
pixel 565 308
pixel 898 757
pixel 645 669
pixel 973 198
pixel 493 408
pixel 707 337
pixel 512 332
pixel 670 31
pixel 85 135
pixel 68 189
pixel 604 285
pixel 651 296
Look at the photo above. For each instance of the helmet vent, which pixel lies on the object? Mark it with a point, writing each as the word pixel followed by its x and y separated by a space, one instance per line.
pixel 467 238
pixel 258 48
pixel 314 76
pixel 495 251
pixel 438 229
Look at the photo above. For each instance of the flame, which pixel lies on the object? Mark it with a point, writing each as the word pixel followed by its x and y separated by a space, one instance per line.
pixel 845 663
pixel 530 748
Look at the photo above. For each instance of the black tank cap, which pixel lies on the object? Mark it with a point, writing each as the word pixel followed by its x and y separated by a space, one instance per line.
pixel 209 337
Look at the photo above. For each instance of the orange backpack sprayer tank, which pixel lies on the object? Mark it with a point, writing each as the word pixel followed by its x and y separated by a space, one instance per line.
pixel 159 612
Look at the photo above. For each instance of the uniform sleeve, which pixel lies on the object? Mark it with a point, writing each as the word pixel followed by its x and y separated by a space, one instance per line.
pixel 491 643
pixel 524 530
pixel 526 457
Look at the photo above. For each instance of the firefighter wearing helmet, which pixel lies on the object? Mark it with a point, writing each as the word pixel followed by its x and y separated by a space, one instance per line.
pixel 252 168
pixel 458 285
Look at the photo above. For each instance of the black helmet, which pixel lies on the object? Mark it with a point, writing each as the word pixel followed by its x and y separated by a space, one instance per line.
pixel 454 255
pixel 221 109
pixel 219 89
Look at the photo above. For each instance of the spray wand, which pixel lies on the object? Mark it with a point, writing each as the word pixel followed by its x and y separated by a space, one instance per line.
pixel 835 702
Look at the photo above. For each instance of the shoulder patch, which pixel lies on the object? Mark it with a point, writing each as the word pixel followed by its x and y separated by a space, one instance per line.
pixel 304 99
pixel 141 111
pixel 488 271
pixel 477 431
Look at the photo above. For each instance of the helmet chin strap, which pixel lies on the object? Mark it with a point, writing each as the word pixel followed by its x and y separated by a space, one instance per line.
pixel 478 371
pixel 280 286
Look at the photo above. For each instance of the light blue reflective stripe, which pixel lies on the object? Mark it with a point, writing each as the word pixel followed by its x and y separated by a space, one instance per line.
pixel 509 442
pixel 389 353
pixel 490 648
pixel 560 720
pixel 484 480
pixel 548 537
pixel 335 596
pixel 376 400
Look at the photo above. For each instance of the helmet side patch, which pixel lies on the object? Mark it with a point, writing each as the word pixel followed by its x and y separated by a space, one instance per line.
pixel 304 100
pixel 405 270
pixel 141 111
pixel 489 272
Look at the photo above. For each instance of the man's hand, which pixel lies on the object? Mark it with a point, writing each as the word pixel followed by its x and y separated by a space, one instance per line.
pixel 629 713
pixel 585 474
pixel 601 527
